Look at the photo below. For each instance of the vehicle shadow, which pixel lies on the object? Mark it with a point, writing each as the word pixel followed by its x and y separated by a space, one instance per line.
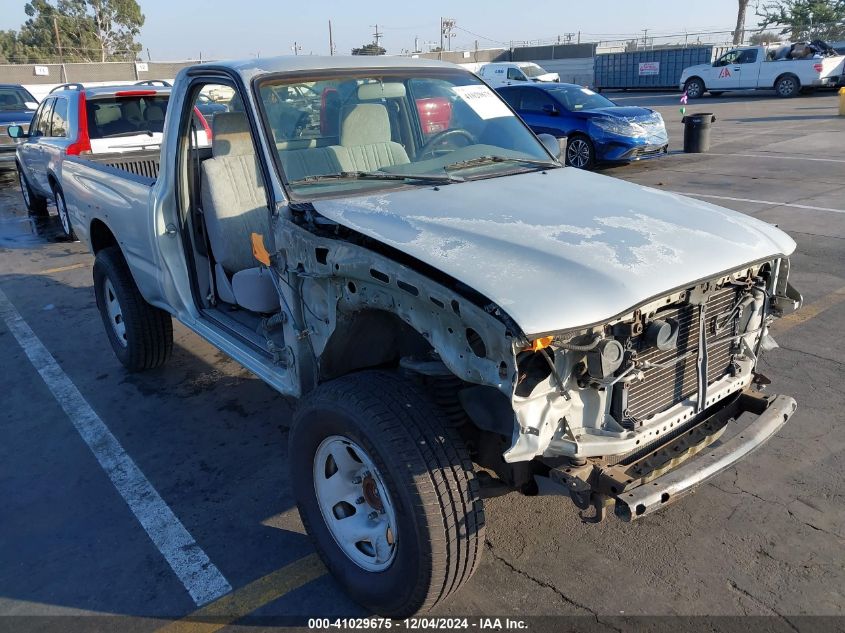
pixel 209 436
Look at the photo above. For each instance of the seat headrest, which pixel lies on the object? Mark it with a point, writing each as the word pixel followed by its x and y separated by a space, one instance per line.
pixel 154 113
pixel 365 124
pixel 231 135
pixel 103 115
pixel 132 111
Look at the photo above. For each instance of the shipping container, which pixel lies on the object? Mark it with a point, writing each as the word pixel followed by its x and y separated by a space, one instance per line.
pixel 656 69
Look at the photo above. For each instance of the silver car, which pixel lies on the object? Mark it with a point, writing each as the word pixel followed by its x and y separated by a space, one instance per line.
pixel 78 121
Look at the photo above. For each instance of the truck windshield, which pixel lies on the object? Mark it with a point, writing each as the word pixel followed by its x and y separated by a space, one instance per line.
pixel 408 124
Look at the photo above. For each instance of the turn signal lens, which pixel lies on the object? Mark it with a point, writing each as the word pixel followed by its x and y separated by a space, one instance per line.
pixel 540 343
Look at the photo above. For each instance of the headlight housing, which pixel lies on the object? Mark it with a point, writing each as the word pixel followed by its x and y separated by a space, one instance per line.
pixel 620 127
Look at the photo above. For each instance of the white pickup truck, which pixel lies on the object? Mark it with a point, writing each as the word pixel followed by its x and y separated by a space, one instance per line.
pixel 459 314
pixel 766 68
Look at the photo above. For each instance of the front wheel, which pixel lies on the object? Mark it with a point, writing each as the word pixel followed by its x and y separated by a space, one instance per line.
pixel 787 86
pixel 64 217
pixel 386 491
pixel 140 334
pixel 580 152
pixel 694 88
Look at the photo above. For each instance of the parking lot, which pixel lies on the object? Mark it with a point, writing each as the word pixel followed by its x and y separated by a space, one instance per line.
pixel 766 538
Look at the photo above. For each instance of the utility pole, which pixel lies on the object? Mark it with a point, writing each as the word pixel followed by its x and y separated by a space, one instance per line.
pixel 331 41
pixel 58 40
pixel 296 48
pixel 645 39
pixel 446 26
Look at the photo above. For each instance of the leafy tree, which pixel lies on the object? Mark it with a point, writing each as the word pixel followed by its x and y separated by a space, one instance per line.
pixel 75 30
pixel 370 49
pixel 763 37
pixel 805 19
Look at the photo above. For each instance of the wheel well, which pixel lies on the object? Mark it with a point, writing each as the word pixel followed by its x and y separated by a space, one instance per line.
pixel 782 75
pixel 689 79
pixel 53 181
pixel 370 338
pixel 100 236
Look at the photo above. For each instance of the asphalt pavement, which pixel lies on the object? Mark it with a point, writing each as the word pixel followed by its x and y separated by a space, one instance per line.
pixel 765 538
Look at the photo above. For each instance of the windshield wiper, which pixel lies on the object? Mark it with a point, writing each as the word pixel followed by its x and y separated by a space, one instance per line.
pixel 376 175
pixel 484 160
pixel 132 133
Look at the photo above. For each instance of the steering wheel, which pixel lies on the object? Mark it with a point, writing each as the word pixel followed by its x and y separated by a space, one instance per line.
pixel 438 138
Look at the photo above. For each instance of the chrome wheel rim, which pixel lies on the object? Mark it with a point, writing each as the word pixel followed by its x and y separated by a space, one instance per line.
pixel 693 90
pixel 63 216
pixel 354 502
pixel 24 191
pixel 114 311
pixel 578 153
pixel 786 87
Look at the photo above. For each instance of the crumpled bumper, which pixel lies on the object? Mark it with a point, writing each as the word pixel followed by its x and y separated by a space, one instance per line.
pixel 654 494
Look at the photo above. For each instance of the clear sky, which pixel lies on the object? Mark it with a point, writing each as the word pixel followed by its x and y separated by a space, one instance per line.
pixel 180 29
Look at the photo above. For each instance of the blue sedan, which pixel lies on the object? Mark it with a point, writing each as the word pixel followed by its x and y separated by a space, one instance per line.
pixel 597 129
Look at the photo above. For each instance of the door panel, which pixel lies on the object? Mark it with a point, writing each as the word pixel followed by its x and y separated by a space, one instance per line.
pixel 726 72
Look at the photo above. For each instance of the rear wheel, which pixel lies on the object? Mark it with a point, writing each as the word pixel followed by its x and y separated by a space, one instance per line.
pixel 141 335
pixel 64 217
pixel 787 86
pixel 35 204
pixel 386 491
pixel 580 152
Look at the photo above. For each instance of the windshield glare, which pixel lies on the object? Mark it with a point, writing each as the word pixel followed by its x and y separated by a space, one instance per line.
pixel 414 122
pixel 532 70
pixel 574 99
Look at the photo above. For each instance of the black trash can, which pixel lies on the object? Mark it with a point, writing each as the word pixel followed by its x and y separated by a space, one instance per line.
pixel 697 132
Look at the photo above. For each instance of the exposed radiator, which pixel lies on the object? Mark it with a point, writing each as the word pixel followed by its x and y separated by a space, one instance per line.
pixel 663 388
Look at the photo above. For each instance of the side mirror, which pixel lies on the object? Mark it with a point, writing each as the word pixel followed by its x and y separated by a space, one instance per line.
pixel 551 109
pixel 16 131
pixel 554 145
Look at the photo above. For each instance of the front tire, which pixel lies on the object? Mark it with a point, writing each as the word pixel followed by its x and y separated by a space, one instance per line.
pixel 787 86
pixel 372 449
pixel 35 204
pixel 140 334
pixel 64 216
pixel 580 152
pixel 694 88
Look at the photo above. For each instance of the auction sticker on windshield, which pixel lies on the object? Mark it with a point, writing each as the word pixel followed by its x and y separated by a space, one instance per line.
pixel 483 101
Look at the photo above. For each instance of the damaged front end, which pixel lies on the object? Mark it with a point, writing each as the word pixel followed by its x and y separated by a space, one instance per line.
pixel 605 413
pixel 614 410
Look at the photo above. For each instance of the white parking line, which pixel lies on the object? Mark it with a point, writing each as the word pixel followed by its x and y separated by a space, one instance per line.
pixel 765 202
pixel 778 157
pixel 189 562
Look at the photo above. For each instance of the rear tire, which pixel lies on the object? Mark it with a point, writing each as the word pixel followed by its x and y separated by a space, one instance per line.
pixel 64 216
pixel 787 86
pixel 141 335
pixel 694 88
pixel 35 204
pixel 426 539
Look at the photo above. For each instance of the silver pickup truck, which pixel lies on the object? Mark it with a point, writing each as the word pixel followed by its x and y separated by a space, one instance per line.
pixel 459 315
